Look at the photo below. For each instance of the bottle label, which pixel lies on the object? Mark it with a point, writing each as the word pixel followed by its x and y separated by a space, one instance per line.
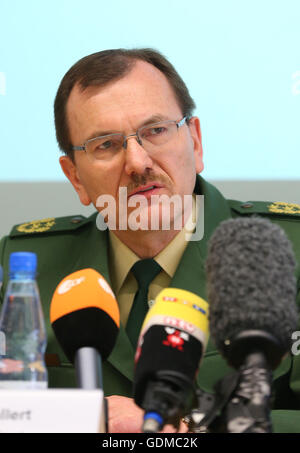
pixel 2 343
pixel 23 385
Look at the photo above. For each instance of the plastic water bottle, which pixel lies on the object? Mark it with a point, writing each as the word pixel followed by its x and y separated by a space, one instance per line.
pixel 22 330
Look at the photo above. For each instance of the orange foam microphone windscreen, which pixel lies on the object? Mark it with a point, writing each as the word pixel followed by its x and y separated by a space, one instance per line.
pixel 84 313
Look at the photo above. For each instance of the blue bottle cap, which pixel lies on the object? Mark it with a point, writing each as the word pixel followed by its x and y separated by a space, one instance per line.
pixel 22 261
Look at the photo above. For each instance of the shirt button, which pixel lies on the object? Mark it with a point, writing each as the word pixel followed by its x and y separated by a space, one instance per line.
pixel 76 220
pixel 247 205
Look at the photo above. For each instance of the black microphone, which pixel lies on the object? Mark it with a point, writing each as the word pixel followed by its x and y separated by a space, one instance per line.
pixel 85 318
pixel 251 289
pixel 171 344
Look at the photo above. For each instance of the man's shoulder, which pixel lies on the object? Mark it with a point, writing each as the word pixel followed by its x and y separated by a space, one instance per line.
pixel 46 234
pixel 273 209
pixel 50 225
pixel 286 215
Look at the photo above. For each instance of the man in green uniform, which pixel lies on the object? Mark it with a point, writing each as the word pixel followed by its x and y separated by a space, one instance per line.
pixel 124 119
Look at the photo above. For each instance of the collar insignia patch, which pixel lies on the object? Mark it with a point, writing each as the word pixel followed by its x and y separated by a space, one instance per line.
pixel 37 226
pixel 279 207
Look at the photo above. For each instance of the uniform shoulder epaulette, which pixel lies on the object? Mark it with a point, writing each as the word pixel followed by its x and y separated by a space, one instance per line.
pixel 271 208
pixel 49 225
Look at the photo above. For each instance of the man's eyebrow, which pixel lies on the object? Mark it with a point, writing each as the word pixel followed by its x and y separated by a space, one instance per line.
pixel 101 134
pixel 154 119
pixel 151 120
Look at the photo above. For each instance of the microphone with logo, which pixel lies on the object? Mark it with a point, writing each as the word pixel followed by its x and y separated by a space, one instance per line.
pixel 85 318
pixel 252 294
pixel 172 341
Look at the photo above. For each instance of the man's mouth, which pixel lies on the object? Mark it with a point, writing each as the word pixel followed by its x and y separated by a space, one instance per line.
pixel 148 189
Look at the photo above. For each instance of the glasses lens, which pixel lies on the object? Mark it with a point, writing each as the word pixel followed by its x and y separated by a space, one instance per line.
pixel 158 134
pixel 104 148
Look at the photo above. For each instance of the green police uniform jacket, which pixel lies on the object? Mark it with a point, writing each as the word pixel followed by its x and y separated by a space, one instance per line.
pixel 64 245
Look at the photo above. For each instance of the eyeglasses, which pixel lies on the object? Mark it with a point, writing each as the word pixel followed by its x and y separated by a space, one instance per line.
pixel 149 137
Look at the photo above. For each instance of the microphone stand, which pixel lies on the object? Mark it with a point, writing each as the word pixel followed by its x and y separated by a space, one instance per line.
pixel 241 404
pixel 249 408
pixel 88 369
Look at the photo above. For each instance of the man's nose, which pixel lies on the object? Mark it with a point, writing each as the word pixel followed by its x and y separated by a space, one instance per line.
pixel 137 159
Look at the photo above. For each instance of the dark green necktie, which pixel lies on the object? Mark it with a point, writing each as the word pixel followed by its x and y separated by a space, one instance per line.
pixel 144 271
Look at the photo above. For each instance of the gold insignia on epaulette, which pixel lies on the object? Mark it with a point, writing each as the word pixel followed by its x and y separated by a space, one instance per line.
pixel 37 226
pixel 279 207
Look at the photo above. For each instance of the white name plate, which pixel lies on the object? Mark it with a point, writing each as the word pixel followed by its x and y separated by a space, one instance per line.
pixel 52 411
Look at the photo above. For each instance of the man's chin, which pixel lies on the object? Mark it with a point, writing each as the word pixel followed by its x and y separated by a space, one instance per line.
pixel 139 213
pixel 153 218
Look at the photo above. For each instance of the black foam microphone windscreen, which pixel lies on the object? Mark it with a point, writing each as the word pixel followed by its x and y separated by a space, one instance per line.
pixel 251 284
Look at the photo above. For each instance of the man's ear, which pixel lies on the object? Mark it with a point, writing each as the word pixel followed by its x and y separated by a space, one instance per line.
pixel 70 170
pixel 195 129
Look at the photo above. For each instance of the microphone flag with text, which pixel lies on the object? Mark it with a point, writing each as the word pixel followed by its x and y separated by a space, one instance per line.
pixel 85 318
pixel 171 344
pixel 251 288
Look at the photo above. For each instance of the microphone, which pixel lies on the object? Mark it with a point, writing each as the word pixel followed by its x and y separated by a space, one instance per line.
pixel 251 289
pixel 85 318
pixel 171 344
